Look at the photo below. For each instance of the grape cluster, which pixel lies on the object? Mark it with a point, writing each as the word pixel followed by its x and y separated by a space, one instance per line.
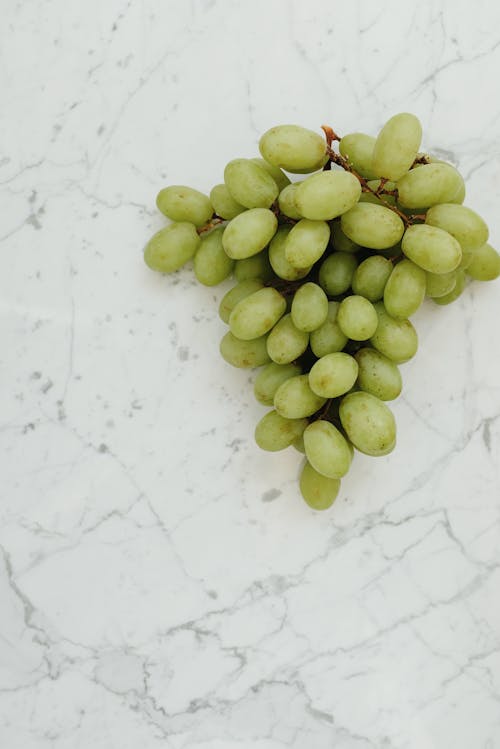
pixel 328 270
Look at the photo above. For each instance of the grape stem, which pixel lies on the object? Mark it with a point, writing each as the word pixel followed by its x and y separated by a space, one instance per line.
pixel 214 221
pixel 337 158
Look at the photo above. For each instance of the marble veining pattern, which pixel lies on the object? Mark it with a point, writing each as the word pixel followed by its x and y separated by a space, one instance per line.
pixel 161 583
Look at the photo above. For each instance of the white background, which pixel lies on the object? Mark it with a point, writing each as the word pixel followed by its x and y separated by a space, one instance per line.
pixel 161 582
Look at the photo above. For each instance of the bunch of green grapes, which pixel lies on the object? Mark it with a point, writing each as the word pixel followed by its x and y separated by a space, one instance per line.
pixel 328 270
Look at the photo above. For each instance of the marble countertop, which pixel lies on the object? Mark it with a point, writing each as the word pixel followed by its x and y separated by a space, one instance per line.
pixel 161 582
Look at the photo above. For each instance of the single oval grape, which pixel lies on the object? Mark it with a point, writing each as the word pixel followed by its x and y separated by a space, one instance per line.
pixel 340 241
pixel 257 266
pixel 180 203
pixel 328 338
pixel 270 378
pixel 460 283
pixel 357 148
pixel 236 294
pixel 464 224
pixel 319 492
pixel 368 423
pixel 372 226
pixel 211 264
pixel 298 444
pixel 327 449
pixel 306 242
pixel 326 195
pixel 309 307
pixel 439 284
pixel 378 375
pixel 294 399
pixel 396 146
pixel 293 148
pixel 285 342
pixel 396 339
pixel 249 232
pixel 333 375
pixel 224 204
pixel 244 354
pixel 428 185
pixel 405 290
pixel 278 176
pixel 485 265
pixel 357 318
pixel 170 248
pixel 287 204
pixel 277 257
pixel 371 276
pixel 250 184
pixel 336 272
pixel 256 314
pixel 431 248
pixel 273 432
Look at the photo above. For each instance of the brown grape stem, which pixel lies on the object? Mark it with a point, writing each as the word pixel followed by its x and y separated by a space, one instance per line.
pixel 341 161
pixel 214 221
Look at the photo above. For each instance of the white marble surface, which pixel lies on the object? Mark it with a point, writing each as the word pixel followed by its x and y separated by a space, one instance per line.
pixel 161 582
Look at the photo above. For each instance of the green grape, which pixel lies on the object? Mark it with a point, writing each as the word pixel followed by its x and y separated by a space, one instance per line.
pixel 326 195
pixel 328 338
pixel 372 226
pixel 319 492
pixel 396 146
pixel 170 248
pixel 270 378
pixel 248 233
pixel 256 314
pixel 340 242
pixel 309 307
pixel 181 203
pixel 368 423
pixel 244 354
pixel 250 184
pixel 285 342
pixel 462 223
pixel 357 148
pixel 459 196
pixel 236 294
pixel 277 257
pixel 336 273
pixel 223 202
pixel 327 449
pixel 370 277
pixel 211 264
pixel 405 290
pixel 378 375
pixel 294 399
pixel 257 266
pixel 485 265
pixel 431 248
pixel 293 148
pixel 298 444
pixel 274 432
pixel 460 281
pixel 333 375
pixel 428 185
pixel 306 242
pixel 357 318
pixel 396 339
pixel 369 197
pixel 278 176
pixel 439 284
pixel 287 204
